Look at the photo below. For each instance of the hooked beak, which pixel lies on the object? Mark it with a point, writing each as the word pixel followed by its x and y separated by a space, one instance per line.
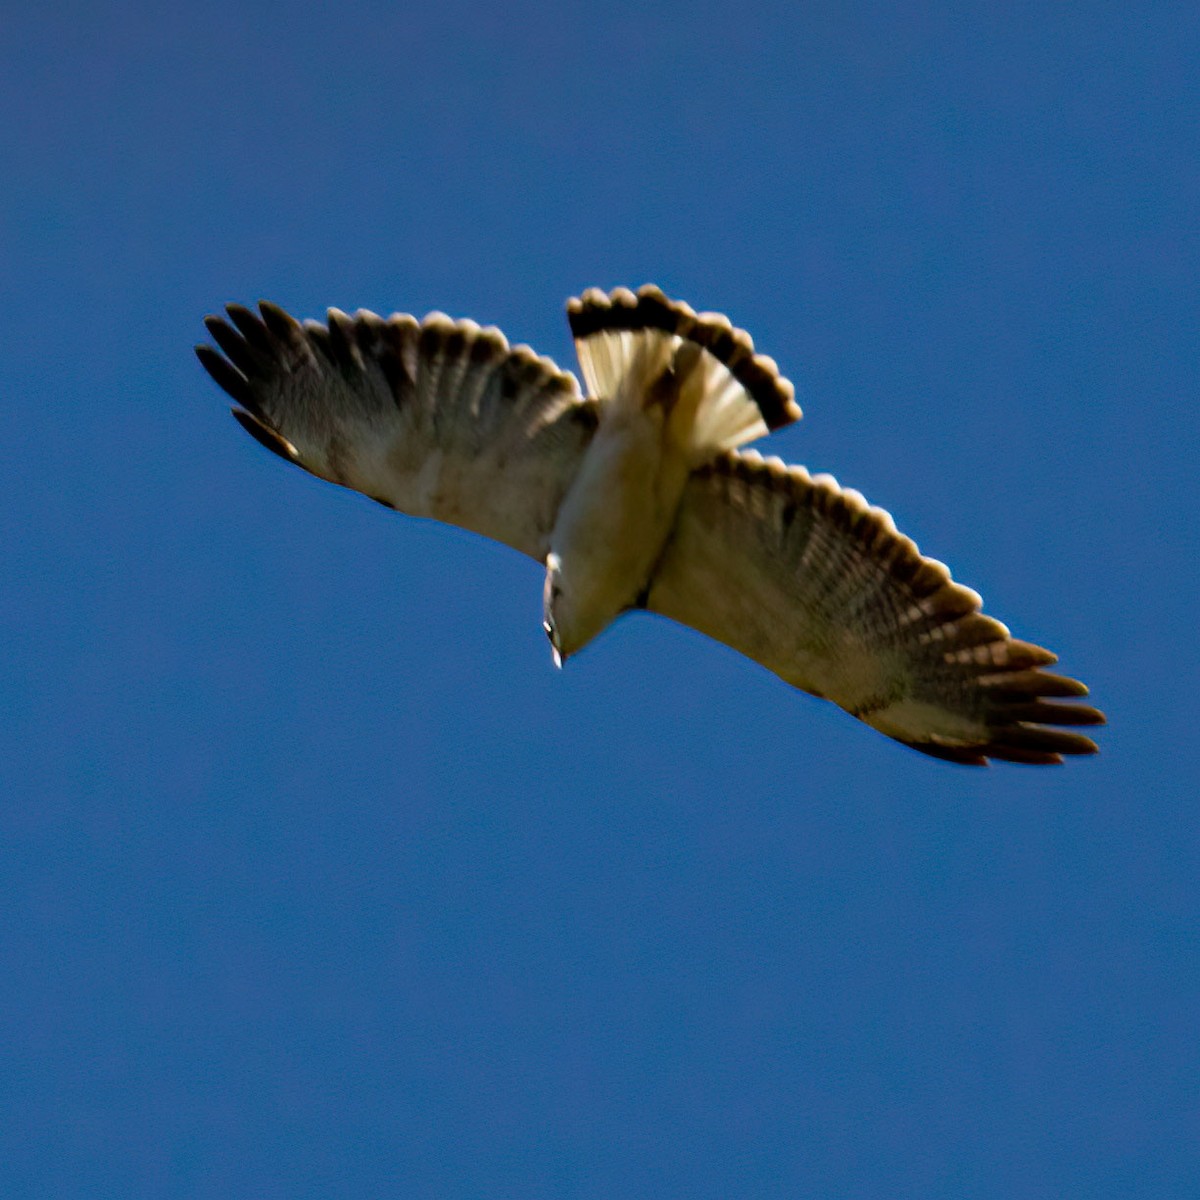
pixel 555 652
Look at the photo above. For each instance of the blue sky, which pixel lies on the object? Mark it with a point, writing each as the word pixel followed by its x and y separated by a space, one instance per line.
pixel 319 880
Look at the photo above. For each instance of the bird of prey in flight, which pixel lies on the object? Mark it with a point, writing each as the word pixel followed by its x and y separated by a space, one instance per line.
pixel 635 494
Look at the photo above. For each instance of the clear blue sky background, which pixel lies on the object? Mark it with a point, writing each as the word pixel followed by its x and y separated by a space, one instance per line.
pixel 317 879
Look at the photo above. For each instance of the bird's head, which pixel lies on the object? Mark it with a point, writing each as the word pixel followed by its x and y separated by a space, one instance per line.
pixel 570 615
pixel 554 607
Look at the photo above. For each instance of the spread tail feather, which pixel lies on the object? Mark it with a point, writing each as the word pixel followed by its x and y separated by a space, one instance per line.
pixel 646 349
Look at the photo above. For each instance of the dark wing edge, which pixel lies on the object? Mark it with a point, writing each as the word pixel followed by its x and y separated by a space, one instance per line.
pixel 808 579
pixel 436 418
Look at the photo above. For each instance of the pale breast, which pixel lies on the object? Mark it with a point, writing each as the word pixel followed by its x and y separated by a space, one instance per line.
pixel 614 521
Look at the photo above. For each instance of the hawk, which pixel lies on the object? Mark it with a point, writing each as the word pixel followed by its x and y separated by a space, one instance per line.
pixel 635 494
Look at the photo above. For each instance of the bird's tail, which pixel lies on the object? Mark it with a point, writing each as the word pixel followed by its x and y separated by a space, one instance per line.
pixel 642 348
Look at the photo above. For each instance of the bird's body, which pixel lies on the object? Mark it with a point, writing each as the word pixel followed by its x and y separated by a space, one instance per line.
pixel 619 512
pixel 612 526
pixel 637 496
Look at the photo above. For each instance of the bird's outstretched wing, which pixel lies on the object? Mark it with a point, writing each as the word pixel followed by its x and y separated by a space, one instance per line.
pixel 436 418
pixel 802 576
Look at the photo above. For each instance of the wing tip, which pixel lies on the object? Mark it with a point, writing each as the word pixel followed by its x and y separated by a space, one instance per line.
pixel 1024 744
pixel 262 433
pixel 225 374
